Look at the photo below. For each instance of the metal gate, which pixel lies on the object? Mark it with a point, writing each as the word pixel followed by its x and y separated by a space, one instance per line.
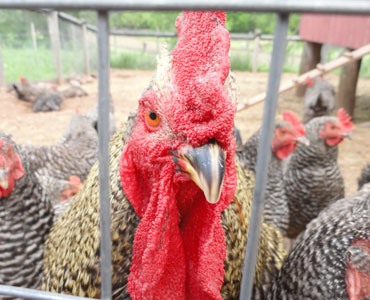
pixel 282 8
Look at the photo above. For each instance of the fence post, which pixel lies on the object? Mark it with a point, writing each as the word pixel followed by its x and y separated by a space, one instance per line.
pixel 33 35
pixel 346 95
pixel 85 49
pixel 310 58
pixel 2 75
pixel 55 42
pixel 256 50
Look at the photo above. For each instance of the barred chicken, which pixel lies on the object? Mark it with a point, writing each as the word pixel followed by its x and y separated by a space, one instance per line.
pixel 27 91
pixel 312 179
pixel 26 217
pixel 48 101
pixel 365 176
pixel 331 258
pixel 180 204
pixel 74 91
pixel 319 99
pixel 286 135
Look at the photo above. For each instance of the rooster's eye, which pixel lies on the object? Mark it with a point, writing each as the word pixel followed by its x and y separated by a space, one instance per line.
pixel 282 132
pixel 151 118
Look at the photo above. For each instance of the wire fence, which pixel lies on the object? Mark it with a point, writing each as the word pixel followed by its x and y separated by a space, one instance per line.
pixel 27 46
pixel 282 11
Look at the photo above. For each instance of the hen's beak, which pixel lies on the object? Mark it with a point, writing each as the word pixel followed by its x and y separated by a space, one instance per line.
pixel 348 135
pixel 4 182
pixel 303 140
pixel 205 166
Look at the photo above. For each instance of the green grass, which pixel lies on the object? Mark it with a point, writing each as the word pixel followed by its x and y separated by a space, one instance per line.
pixel 39 65
pixel 127 59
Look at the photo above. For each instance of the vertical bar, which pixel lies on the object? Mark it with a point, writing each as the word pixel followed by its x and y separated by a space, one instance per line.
pixel 55 42
pixel 85 49
pixel 2 74
pixel 264 154
pixel 104 188
pixel 256 50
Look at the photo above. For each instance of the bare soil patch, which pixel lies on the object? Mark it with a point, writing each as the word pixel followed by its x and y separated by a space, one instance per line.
pixel 17 118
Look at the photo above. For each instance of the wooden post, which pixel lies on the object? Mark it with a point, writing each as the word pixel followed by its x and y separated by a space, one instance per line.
pixel 55 42
pixel 2 75
pixel 33 35
pixel 85 49
pixel 74 36
pixel 346 96
pixel 310 58
pixel 256 50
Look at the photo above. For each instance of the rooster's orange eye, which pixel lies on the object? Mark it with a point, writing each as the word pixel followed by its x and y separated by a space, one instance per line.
pixel 151 118
pixel 282 132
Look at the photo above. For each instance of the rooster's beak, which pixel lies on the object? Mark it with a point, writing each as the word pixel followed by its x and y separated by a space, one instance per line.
pixel 205 166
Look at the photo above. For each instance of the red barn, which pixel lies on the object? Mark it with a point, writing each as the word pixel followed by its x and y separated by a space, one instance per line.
pixel 346 31
pixel 350 32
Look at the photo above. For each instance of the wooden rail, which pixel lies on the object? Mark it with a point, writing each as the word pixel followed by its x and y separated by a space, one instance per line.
pixel 320 69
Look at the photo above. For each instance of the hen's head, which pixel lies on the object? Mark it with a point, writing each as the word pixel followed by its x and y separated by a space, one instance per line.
pixel 287 134
pixel 334 130
pixel 177 168
pixel 10 168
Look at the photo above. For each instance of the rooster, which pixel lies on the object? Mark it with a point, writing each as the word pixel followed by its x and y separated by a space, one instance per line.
pixel 331 258
pixel 180 204
pixel 319 99
pixel 312 179
pixel 286 135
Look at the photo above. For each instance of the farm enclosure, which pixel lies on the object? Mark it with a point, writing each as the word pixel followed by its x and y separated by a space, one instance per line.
pixel 17 118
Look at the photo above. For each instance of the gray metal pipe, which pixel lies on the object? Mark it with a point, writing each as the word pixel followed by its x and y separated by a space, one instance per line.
pixel 104 185
pixel 35 294
pixel 264 154
pixel 286 6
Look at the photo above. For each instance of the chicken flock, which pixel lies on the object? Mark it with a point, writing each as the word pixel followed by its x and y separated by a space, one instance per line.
pixel 181 189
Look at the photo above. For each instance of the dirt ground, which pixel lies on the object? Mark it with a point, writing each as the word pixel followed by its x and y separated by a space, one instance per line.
pixel 17 118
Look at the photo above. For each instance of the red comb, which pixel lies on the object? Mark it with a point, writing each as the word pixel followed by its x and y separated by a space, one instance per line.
pixel 292 118
pixel 309 81
pixel 77 111
pixel 22 79
pixel 345 119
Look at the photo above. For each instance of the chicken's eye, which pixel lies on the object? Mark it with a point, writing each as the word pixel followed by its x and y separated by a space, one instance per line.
pixel 332 127
pixel 151 118
pixel 282 132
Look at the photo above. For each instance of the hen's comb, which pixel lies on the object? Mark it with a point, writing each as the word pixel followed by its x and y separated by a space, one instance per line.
pixel 309 81
pixel 345 119
pixel 292 118
pixel 22 79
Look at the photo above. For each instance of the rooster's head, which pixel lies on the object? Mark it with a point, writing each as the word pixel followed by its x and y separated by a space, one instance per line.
pixel 177 168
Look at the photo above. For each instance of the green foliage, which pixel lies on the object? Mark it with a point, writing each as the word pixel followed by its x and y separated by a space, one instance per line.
pixel 132 60
pixel 156 21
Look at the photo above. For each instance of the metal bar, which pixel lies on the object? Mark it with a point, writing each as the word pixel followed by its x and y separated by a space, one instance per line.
pixel 104 187
pixel 233 36
pixel 264 154
pixel 278 6
pixel 35 294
